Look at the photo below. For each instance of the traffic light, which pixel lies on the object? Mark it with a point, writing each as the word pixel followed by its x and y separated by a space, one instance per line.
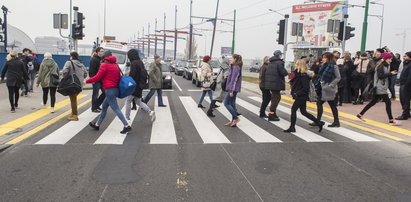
pixel 348 34
pixel 77 28
pixel 281 32
pixel 341 31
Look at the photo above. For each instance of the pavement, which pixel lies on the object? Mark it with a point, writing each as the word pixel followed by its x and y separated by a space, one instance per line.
pixel 186 156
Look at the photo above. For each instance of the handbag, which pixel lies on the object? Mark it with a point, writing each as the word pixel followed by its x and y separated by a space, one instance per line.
pixel 213 85
pixel 55 79
pixel 70 84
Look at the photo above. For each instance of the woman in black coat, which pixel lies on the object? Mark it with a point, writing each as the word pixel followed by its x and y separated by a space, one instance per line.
pixel 16 72
pixel 300 88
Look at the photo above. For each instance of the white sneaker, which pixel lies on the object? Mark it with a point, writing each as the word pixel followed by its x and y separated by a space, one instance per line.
pixel 152 116
pixel 52 110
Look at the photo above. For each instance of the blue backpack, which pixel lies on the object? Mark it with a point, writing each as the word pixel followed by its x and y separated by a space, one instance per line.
pixel 126 86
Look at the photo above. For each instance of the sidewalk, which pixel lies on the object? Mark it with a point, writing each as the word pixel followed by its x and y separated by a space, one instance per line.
pixel 377 120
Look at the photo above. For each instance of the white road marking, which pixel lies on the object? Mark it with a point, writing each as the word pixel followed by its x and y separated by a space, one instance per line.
pixel 205 127
pixel 178 86
pixel 302 133
pixel 358 137
pixel 69 130
pixel 163 131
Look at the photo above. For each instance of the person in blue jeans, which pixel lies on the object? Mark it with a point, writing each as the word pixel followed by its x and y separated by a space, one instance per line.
pixel 206 77
pixel 109 74
pixel 233 87
pixel 155 82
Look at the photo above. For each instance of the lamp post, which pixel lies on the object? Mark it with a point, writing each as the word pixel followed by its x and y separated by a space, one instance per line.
pixel 381 17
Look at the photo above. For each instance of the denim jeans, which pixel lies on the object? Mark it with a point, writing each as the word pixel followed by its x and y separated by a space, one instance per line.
pixel 210 95
pixel 97 100
pixel 32 77
pixel 159 95
pixel 229 103
pixel 111 100
pixel 392 80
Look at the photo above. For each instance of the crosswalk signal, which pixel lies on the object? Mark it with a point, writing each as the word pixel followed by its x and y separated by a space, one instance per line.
pixel 341 31
pixel 281 32
pixel 348 34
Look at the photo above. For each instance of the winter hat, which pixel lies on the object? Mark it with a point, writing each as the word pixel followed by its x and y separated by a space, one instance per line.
pixel 408 54
pixel 107 53
pixel 278 52
pixel 156 57
pixel 386 56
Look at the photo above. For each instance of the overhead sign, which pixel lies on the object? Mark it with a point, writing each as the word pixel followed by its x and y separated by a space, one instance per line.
pixel 314 19
pixel 60 21
pixel 226 50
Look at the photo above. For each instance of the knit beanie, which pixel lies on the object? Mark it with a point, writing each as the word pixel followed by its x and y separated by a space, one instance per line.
pixel 386 56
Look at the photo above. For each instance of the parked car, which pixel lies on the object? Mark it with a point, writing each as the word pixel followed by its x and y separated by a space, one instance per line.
pixel 214 63
pixel 173 66
pixel 179 68
pixel 188 70
pixel 255 68
pixel 167 78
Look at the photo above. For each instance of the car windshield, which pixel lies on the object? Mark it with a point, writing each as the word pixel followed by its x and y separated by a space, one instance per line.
pixel 215 64
pixel 165 68
pixel 120 56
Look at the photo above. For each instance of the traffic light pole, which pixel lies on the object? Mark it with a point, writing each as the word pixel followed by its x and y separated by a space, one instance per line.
pixel 365 26
pixel 164 41
pixel 285 36
pixel 5 10
pixel 215 26
pixel 190 48
pixel 233 44
pixel 155 42
pixel 344 33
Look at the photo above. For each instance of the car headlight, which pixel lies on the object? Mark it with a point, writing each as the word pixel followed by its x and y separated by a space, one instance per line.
pixel 168 77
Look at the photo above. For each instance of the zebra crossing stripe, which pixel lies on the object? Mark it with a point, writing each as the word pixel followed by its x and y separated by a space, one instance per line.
pixel 252 130
pixel 112 133
pixel 302 133
pixel 207 130
pixel 64 134
pixel 163 131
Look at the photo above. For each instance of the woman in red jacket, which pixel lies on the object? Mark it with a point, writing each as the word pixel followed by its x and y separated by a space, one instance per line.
pixel 109 74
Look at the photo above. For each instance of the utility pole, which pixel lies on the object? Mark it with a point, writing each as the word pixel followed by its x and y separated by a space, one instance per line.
pixel 104 29
pixel 215 25
pixel 143 41
pixel 164 41
pixel 191 31
pixel 175 34
pixel 365 26
pixel 71 28
pixel 233 44
pixel 148 48
pixel 155 38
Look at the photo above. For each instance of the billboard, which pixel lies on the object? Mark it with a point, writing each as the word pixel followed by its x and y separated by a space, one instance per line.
pixel 225 50
pixel 311 21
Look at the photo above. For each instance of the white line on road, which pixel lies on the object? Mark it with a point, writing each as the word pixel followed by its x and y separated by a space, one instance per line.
pixel 194 90
pixel 178 86
pixel 205 127
pixel 69 130
pixel 112 134
pixel 252 130
pixel 164 90
pixel 163 131
pixel 302 133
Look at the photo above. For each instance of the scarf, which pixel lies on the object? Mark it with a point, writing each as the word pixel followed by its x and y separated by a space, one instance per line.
pixel 326 73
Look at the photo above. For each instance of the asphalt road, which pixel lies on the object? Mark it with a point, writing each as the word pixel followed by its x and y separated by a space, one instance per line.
pixel 188 157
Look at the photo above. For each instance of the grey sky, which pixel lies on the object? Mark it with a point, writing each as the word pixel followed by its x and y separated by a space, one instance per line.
pixel 255 36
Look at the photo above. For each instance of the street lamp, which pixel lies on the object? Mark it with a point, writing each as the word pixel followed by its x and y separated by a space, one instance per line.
pixel 381 17
pixel 274 11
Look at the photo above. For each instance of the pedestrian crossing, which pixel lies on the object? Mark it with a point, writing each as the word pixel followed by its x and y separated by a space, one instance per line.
pixel 166 130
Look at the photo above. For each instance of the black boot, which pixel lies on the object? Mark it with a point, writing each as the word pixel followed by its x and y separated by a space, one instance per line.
pixel 200 106
pixel 320 126
pixel 290 130
pixel 273 117
pixel 334 125
pixel 263 115
pixel 210 113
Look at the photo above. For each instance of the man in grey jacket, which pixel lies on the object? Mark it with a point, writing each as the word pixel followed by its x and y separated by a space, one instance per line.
pixel 275 82
pixel 155 81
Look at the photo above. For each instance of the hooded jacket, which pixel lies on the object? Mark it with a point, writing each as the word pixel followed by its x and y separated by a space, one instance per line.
pixel 405 78
pixel 15 70
pixel 109 73
pixel 274 75
pixel 79 68
pixel 47 68
pixel 136 67
pixel 94 65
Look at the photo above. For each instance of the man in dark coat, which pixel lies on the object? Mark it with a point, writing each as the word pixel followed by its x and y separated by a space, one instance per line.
pixel 405 87
pixel 275 82
pixel 95 62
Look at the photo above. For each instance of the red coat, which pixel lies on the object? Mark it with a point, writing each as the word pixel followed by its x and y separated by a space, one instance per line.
pixel 108 73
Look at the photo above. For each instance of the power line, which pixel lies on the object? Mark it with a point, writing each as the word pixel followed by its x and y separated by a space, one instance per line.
pixel 248 6
pixel 260 25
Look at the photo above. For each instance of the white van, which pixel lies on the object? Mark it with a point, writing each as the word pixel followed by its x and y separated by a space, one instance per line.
pixel 119 49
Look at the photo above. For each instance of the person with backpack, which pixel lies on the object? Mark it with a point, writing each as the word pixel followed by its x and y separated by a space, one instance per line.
pixel 206 79
pixel 110 75
pixel 33 67
pixel 48 68
pixel 381 83
pixel 96 99
pixel 233 87
pixel 359 77
pixel 155 81
pixel 140 76
pixel 326 86
pixel 219 92
pixel 300 88
pixel 25 58
pixel 16 73
pixel 74 66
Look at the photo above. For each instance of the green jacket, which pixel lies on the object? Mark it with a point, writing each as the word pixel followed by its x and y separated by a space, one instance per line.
pixel 156 76
pixel 47 67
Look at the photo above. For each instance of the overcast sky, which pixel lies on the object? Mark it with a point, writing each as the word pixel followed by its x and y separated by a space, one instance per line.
pixel 256 27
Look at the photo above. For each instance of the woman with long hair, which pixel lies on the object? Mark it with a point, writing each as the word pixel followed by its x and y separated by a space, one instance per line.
pixel 206 77
pixel 233 87
pixel 300 88
pixel 15 72
pixel 326 86
pixel 381 82
pixel 266 94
